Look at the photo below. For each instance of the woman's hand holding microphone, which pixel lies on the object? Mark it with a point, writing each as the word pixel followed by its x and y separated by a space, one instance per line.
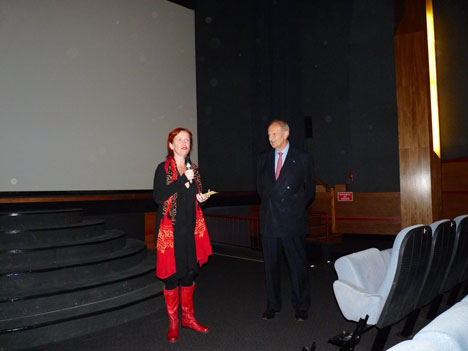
pixel 190 175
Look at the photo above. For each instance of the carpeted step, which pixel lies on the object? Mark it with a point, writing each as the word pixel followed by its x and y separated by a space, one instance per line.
pixel 59 314
pixel 63 275
pixel 106 304
pixel 30 219
pixel 87 282
pixel 53 273
pixel 27 256
pixel 48 234
pixel 27 309
pixel 152 304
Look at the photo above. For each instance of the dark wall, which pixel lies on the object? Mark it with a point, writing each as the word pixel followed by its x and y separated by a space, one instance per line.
pixel 224 94
pixel 451 27
pixel 346 92
pixel 349 89
pixel 326 28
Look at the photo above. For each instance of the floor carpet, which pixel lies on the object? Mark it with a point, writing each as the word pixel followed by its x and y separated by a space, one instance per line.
pixel 230 299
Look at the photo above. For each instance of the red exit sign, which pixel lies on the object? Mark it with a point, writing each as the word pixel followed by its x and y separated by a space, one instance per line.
pixel 345 195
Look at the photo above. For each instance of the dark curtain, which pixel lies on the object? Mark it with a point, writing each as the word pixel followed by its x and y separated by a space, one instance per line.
pixel 276 75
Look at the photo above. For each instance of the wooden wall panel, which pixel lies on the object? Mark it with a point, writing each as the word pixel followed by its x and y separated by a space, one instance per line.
pixel 454 188
pixel 408 17
pixel 436 186
pixel 415 186
pixel 150 223
pixel 455 175
pixel 420 186
pixel 370 213
pixel 454 204
pixel 412 84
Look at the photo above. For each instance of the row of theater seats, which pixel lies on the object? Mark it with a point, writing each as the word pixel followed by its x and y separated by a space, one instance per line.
pixel 448 332
pixel 381 288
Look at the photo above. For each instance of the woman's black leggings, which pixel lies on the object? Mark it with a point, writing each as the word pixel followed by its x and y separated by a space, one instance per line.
pixel 172 282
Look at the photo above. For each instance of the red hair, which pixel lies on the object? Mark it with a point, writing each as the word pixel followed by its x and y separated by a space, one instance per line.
pixel 172 135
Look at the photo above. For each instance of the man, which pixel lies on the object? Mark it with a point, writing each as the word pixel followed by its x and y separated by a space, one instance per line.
pixel 286 185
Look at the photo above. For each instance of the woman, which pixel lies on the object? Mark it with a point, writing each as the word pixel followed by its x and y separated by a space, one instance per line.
pixel 182 243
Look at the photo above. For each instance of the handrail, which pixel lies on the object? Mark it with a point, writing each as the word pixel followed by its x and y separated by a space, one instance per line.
pixel 320 182
pixel 332 192
pixel 333 209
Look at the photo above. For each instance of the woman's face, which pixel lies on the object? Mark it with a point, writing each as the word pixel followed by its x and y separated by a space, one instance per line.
pixel 181 144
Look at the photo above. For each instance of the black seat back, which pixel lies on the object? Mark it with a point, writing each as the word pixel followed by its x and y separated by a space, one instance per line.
pixel 462 229
pixel 413 259
pixel 459 258
pixel 443 241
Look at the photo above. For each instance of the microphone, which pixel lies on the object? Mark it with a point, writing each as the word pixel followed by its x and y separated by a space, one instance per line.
pixel 188 165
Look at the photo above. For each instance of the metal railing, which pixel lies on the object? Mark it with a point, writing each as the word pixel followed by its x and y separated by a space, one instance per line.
pixel 233 230
pixel 244 231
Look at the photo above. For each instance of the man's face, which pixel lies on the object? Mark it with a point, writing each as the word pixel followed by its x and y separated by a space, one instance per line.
pixel 277 136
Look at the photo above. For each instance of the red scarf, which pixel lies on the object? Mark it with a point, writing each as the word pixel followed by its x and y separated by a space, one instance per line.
pixel 166 266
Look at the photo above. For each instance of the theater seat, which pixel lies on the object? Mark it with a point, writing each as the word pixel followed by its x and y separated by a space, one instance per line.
pixel 462 228
pixel 460 258
pixel 455 273
pixel 448 329
pixel 357 290
pixel 443 240
pixel 447 332
pixel 383 289
pixel 417 345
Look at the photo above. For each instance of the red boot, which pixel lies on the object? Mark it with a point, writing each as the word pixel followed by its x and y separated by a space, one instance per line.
pixel 188 319
pixel 172 305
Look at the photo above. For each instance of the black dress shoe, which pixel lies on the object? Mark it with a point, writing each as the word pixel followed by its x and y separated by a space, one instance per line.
pixel 301 315
pixel 269 314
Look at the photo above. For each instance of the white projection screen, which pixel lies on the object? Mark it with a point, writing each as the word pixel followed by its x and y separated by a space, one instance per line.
pixel 89 91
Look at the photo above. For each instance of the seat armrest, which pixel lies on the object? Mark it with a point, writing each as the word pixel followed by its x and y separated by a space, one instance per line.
pixel 386 254
pixel 365 269
pixel 355 302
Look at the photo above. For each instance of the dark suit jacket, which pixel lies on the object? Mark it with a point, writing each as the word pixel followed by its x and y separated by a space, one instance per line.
pixel 285 201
